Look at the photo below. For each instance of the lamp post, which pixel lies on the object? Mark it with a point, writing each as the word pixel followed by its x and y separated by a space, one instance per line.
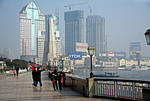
pixel 145 90
pixel 147 36
pixel 91 52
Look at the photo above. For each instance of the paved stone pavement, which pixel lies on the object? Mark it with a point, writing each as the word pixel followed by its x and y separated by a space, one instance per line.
pixel 21 89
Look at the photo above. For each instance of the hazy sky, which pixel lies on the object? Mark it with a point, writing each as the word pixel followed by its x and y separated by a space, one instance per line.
pixel 126 20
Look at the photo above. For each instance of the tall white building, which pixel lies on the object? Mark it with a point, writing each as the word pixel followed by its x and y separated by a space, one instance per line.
pixel 58 44
pixel 32 21
pixel 40 47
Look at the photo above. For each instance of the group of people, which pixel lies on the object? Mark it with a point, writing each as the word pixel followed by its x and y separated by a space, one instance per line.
pixel 36 75
pixel 58 80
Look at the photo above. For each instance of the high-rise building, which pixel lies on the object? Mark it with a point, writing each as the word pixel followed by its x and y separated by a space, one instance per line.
pixel 31 22
pixel 58 44
pixel 74 30
pixel 135 51
pixel 40 47
pixel 95 34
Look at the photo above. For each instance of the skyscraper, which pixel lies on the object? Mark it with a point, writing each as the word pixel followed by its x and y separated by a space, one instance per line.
pixel 135 51
pixel 95 33
pixel 40 47
pixel 74 30
pixel 32 22
pixel 58 44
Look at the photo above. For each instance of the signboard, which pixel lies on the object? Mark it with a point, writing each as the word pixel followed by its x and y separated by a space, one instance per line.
pixel 75 56
pixel 81 47
pixel 111 54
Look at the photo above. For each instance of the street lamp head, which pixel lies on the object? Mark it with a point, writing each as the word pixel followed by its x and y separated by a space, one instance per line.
pixel 62 57
pixel 91 50
pixel 147 36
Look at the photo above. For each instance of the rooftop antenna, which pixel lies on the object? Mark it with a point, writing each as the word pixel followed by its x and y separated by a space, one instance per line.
pixel 90 10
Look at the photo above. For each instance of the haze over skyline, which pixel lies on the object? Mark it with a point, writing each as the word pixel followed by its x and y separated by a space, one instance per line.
pixel 125 20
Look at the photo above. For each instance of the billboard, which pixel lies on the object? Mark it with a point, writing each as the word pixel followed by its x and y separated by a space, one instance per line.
pixel 75 56
pixel 81 47
pixel 111 54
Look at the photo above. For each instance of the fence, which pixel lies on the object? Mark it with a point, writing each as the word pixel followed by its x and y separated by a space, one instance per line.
pixel 120 88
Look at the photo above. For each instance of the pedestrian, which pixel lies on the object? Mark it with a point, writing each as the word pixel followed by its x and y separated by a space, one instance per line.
pixel 64 78
pixel 39 76
pixel 34 76
pixel 14 71
pixel 60 80
pixel 17 71
pixel 55 79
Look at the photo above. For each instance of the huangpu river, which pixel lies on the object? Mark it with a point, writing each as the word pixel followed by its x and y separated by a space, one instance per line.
pixel 123 74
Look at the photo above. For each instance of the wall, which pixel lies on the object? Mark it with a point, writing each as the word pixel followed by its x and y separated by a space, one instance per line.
pixel 78 84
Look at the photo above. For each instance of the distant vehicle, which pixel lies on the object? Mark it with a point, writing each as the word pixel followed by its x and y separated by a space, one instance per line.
pixel 106 74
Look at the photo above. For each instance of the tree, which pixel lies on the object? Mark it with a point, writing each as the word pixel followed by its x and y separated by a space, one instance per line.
pixel 7 61
pixel 19 63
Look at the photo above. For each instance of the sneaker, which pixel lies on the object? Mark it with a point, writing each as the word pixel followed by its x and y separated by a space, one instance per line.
pixel 34 86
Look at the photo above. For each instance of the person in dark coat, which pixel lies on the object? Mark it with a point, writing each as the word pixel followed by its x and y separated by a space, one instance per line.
pixel 60 80
pixel 34 76
pixel 39 76
pixel 64 78
pixel 55 79
pixel 17 71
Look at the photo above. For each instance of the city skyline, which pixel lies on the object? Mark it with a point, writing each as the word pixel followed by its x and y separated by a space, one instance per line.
pixel 126 21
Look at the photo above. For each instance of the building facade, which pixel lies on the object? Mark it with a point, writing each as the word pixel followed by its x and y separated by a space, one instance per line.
pixel 31 22
pixel 135 51
pixel 40 47
pixel 95 34
pixel 74 30
pixel 58 44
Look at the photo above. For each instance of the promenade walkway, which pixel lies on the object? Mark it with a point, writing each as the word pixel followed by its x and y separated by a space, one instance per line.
pixel 21 89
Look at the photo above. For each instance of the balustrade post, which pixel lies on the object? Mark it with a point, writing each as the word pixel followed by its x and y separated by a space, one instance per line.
pixel 148 85
pixel 91 87
pixel 115 89
pixel 133 90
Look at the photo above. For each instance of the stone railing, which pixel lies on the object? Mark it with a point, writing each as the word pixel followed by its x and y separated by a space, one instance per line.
pixel 110 88
pixel 78 84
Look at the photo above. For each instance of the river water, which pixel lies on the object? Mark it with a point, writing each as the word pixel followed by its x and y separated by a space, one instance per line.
pixel 124 74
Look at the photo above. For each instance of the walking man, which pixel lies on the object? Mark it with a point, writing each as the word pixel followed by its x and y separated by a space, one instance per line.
pixel 39 76
pixel 17 71
pixel 55 79
pixel 34 76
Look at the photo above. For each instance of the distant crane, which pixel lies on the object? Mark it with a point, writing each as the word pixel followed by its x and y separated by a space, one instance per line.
pixel 69 6
pixel 90 10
